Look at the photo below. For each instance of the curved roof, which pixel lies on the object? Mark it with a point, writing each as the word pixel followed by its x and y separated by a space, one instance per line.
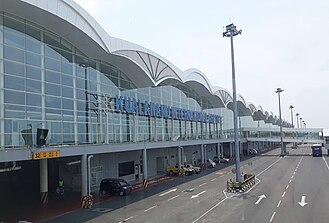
pixel 145 67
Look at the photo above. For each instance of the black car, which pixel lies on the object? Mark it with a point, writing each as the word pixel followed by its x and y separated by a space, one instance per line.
pixel 114 186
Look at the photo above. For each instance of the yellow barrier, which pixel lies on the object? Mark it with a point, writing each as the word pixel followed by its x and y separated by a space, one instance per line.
pixel 145 183
pixel 87 201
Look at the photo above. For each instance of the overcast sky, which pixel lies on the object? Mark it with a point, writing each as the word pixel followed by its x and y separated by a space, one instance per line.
pixel 284 43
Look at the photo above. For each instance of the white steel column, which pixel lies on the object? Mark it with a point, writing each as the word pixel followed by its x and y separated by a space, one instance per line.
pixel 2 100
pixel 202 154
pixel 84 175
pixel 144 164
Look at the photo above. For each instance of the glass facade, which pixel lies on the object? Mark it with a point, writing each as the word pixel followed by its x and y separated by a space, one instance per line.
pixel 48 83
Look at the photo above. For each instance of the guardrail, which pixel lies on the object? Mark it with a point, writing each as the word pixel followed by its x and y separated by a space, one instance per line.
pixel 232 186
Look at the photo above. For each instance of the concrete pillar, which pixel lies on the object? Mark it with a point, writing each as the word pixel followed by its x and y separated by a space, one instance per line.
pixel 202 154
pixel 44 181
pixel 205 153
pixel 179 153
pixel 84 175
pixel 231 149
pixel 145 164
pixel 218 150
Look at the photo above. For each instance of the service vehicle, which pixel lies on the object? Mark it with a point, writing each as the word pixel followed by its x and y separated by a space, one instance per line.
pixel 171 170
pixel 316 150
pixel 195 169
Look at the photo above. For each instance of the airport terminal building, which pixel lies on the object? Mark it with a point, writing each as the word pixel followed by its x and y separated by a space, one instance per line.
pixel 68 90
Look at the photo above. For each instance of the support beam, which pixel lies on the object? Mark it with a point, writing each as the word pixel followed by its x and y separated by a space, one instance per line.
pixel 44 181
pixel 84 176
pixel 145 164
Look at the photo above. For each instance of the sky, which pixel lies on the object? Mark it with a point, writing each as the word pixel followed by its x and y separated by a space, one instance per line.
pixel 284 43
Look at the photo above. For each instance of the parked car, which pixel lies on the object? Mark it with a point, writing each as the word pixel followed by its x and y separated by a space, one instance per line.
pixel 195 169
pixel 223 160
pixel 171 170
pixel 220 159
pixel 114 186
pixel 253 151
pixel 211 163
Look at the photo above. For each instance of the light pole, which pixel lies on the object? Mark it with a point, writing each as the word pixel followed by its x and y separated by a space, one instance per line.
pixel 297 114
pixel 230 32
pixel 278 91
pixel 300 122
pixel 292 116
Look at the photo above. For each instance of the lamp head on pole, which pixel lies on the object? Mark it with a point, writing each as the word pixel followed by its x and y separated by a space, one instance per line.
pixel 279 90
pixel 231 31
pixel 297 114
pixel 291 107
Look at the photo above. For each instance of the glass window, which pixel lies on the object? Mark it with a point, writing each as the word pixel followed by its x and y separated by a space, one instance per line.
pixel 14 39
pixel 52 40
pixel 67 80
pixel 66 56
pixel 33 73
pixel 33 59
pixel 52 64
pixel 12 82
pixel 80 83
pixel 53 77
pixel 67 68
pixel 52 53
pixel 32 33
pixel 14 54
pixel 53 102
pixel 14 97
pixel 67 104
pixel 33 99
pixel 81 94
pixel 81 106
pixel 13 25
pixel 53 89
pixel 14 68
pixel 67 92
pixel 33 45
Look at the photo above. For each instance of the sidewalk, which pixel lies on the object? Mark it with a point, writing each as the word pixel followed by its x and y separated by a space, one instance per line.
pixel 30 209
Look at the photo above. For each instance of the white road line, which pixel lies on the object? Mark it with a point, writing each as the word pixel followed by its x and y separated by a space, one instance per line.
pixel 209 210
pixel 214 179
pixel 279 204
pixel 173 198
pixel 287 187
pixel 289 181
pixel 284 193
pixel 294 173
pixel 325 162
pixel 271 219
pixel 269 167
pixel 127 219
pixel 150 208
pixel 292 177
pixel 202 184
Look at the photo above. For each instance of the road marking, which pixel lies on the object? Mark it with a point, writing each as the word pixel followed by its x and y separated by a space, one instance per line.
pixel 150 208
pixel 173 198
pixel 202 184
pixel 261 197
pixel 269 167
pixel 294 173
pixel 287 187
pixel 127 219
pixel 197 195
pixel 214 179
pixel 271 219
pixel 292 177
pixel 279 204
pixel 172 190
pixel 325 162
pixel 284 193
pixel 302 202
pixel 209 210
pixel 289 181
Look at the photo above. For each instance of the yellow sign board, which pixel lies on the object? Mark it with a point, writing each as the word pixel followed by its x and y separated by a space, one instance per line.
pixel 46 155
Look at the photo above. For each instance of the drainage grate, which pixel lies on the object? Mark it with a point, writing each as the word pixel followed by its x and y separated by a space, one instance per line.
pixel 102 210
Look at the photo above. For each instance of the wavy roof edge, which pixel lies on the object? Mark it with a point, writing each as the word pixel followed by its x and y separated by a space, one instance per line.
pixel 73 13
